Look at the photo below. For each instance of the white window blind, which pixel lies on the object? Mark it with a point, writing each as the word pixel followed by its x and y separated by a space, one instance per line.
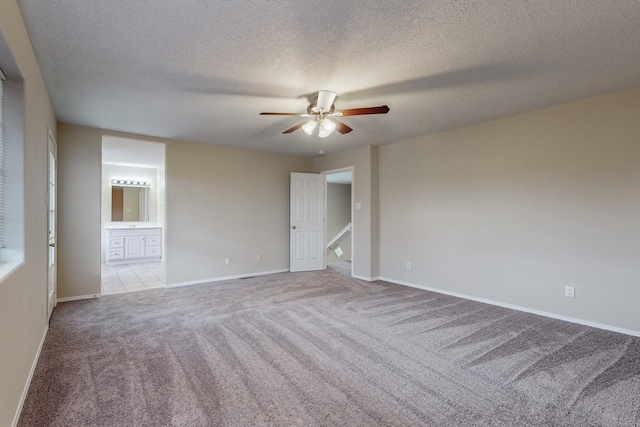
pixel 11 166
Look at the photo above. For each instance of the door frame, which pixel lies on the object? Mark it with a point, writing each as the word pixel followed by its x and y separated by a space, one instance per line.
pixel 353 219
pixel 52 252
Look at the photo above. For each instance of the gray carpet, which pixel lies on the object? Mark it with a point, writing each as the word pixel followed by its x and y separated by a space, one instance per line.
pixel 322 349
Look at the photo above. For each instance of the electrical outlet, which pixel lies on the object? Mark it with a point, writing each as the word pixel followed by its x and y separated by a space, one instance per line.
pixel 569 291
pixel 408 265
pixel 227 261
pixel 258 258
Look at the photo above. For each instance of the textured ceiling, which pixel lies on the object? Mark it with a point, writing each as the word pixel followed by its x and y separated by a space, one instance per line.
pixel 202 70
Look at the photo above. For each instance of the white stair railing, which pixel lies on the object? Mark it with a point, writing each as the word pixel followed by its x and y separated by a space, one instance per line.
pixel 339 235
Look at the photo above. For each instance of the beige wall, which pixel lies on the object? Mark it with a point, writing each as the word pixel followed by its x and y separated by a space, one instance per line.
pixel 365 223
pixel 338 216
pixel 221 203
pixel 515 209
pixel 79 210
pixel 227 203
pixel 23 293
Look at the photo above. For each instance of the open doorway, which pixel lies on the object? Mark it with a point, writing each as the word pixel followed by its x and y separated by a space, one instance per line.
pixel 133 215
pixel 339 220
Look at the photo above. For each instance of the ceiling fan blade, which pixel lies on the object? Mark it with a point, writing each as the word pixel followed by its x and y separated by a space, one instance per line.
pixel 341 127
pixel 294 128
pixel 383 109
pixel 280 114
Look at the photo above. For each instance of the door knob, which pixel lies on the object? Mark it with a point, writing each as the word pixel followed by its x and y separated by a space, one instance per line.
pixel 294 227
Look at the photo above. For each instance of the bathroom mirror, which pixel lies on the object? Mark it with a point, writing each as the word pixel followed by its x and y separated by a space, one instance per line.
pixel 129 203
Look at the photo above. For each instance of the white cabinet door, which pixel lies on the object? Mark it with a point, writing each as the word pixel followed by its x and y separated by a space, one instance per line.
pixel 134 247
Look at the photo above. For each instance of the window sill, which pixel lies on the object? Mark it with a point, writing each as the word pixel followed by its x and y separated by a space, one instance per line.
pixel 10 261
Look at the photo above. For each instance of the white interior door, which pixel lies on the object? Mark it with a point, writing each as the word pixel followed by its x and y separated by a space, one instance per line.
pixel 306 227
pixel 52 288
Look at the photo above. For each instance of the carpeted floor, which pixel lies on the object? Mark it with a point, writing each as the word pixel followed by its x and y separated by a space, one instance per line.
pixel 322 349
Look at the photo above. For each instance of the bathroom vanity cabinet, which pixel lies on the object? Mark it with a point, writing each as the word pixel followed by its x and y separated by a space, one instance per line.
pixel 133 244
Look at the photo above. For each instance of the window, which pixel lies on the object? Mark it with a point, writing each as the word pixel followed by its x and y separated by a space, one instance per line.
pixel 12 211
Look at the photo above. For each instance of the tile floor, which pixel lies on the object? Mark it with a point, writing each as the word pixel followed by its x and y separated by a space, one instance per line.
pixel 121 278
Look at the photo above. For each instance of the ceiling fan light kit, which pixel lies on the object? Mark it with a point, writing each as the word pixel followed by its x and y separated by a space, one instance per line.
pixel 323 108
pixel 309 127
pixel 325 128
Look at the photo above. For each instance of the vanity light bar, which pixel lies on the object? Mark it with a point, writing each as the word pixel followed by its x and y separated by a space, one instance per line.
pixel 129 182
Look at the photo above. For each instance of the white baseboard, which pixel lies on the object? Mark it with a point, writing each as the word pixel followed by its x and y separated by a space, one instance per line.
pixel 79 297
pixel 368 279
pixel 219 279
pixel 16 417
pixel 519 308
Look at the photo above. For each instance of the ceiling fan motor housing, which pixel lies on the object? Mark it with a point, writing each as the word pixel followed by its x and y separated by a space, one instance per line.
pixel 324 104
pixel 325 100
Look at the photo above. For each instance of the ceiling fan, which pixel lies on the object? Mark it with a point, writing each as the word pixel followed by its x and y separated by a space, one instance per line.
pixel 321 109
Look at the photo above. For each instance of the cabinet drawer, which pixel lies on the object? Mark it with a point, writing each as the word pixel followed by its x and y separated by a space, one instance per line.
pixel 135 231
pixel 153 241
pixel 113 233
pixel 153 251
pixel 115 254
pixel 116 242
